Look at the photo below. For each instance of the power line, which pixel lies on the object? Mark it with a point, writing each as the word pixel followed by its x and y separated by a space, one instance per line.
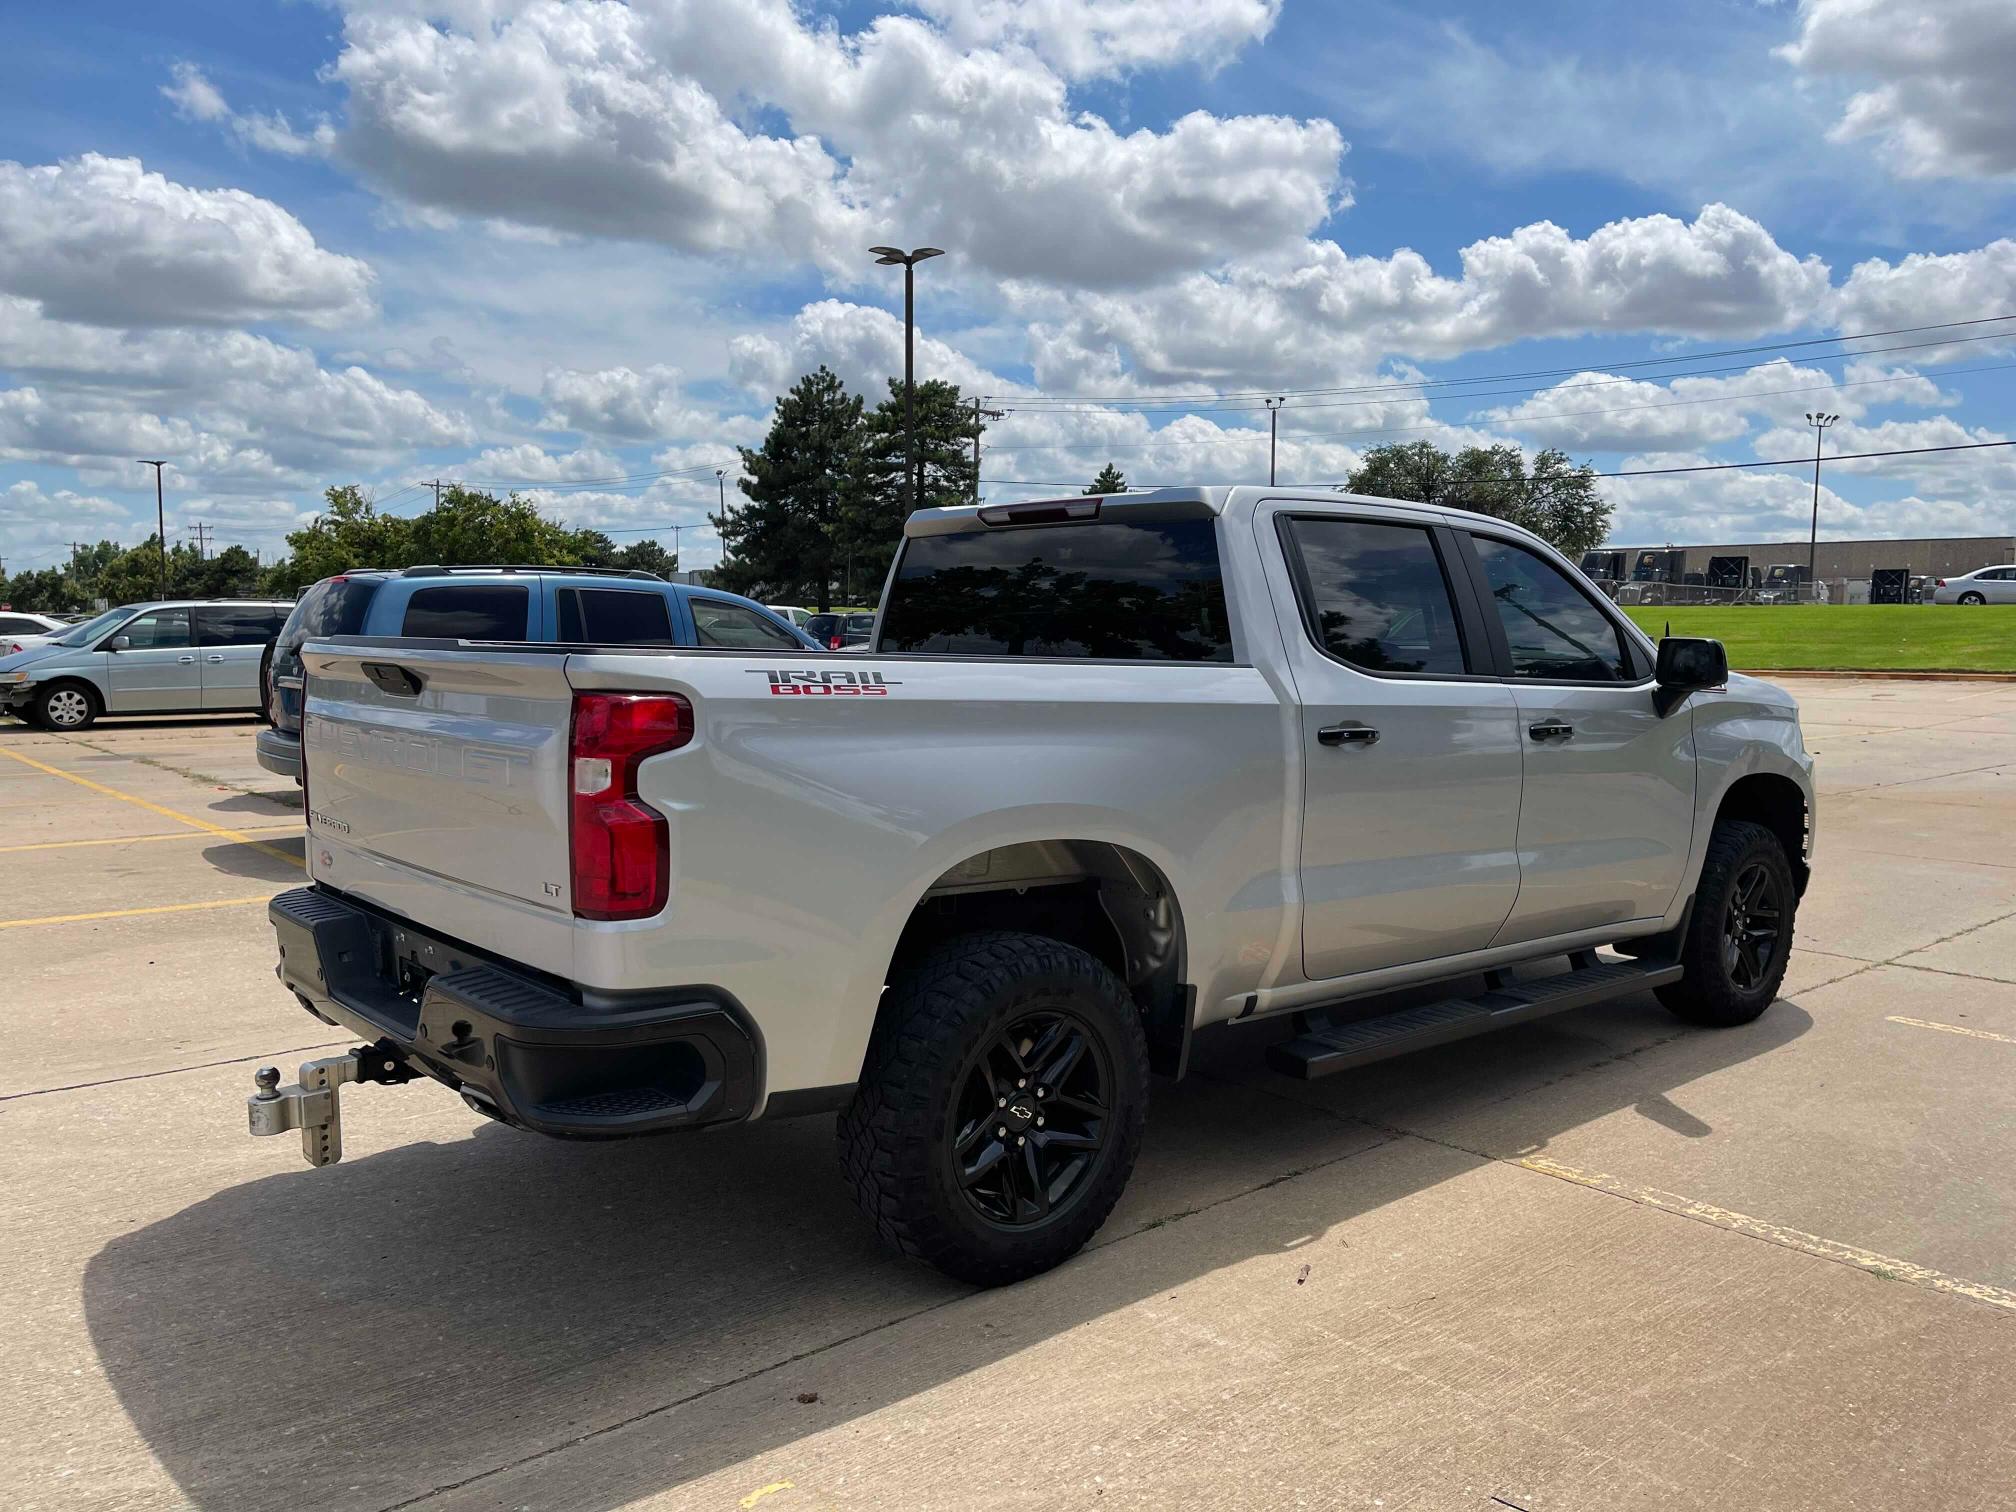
pixel 1257 395
pixel 1248 433
pixel 1631 472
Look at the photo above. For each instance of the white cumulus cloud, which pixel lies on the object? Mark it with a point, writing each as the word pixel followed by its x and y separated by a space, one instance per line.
pixel 103 240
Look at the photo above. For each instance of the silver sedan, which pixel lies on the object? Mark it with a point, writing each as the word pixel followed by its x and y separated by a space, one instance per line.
pixel 1984 585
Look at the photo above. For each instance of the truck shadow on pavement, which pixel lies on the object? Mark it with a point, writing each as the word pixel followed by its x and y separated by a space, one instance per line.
pixel 411 1320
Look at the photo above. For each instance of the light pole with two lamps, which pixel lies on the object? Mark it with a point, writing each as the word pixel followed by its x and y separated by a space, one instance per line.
pixel 1819 422
pixel 893 257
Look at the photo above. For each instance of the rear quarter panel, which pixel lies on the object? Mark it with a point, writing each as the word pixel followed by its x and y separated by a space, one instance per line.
pixel 806 825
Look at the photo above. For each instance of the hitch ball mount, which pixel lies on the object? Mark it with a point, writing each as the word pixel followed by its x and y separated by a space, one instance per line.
pixel 313 1105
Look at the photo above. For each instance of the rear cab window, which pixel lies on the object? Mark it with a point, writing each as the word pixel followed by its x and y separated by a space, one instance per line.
pixel 1125 588
pixel 469 611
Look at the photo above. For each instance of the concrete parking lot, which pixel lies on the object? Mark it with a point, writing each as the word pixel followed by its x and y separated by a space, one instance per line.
pixel 1600 1262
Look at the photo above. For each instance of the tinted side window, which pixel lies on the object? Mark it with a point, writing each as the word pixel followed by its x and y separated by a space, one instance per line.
pixel 1553 628
pixel 334 606
pixel 1377 596
pixel 160 627
pixel 614 617
pixel 236 625
pixel 1118 589
pixel 468 611
pixel 723 624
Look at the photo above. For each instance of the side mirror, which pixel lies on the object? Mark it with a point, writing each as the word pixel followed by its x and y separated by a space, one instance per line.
pixel 1687 665
pixel 120 643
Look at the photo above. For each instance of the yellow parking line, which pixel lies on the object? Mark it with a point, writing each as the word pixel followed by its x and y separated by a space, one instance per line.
pixel 1987 1034
pixel 131 913
pixel 1888 1268
pixel 153 808
pixel 42 845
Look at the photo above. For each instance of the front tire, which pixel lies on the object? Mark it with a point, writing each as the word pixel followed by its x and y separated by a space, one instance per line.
pixel 1001 1107
pixel 1739 936
pixel 65 706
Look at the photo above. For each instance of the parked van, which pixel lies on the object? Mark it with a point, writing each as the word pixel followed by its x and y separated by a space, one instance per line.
pixel 174 656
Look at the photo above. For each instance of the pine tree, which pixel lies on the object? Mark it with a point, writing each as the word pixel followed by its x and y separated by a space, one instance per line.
pixel 1110 481
pixel 787 539
pixel 946 429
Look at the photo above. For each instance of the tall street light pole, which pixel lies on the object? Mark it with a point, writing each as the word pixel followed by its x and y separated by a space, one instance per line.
pixel 1273 427
pixel 160 517
pixel 1819 422
pixel 891 257
pixel 721 487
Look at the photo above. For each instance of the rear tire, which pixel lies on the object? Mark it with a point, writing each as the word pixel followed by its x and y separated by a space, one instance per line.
pixel 1970 599
pixel 65 706
pixel 1739 936
pixel 1001 1107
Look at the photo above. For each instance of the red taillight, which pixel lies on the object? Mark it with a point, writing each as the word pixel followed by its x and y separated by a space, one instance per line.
pixel 622 862
pixel 835 643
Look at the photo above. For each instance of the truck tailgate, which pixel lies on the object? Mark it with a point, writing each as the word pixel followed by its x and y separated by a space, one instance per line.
pixel 451 763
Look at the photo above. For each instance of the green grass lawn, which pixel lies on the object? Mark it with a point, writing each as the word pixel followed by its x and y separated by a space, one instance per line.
pixel 1851 637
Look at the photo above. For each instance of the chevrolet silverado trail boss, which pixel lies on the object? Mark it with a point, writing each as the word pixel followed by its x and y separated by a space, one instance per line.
pixel 1112 769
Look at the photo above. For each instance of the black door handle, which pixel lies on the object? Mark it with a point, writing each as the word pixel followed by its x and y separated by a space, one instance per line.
pixel 1550 730
pixel 1348 734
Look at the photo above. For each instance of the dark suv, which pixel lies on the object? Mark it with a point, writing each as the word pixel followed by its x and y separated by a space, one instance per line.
pixel 602 606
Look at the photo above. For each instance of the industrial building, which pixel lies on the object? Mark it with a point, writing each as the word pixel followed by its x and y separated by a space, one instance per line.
pixel 1930 556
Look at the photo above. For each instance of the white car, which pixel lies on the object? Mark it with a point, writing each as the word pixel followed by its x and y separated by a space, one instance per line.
pixel 22 632
pixel 792 612
pixel 1984 585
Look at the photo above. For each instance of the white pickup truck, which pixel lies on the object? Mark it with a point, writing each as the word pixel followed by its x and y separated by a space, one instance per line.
pixel 1114 769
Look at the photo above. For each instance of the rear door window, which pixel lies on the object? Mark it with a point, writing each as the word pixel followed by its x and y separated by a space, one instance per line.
pixel 719 623
pixel 469 611
pixel 614 617
pixel 237 624
pixel 1376 595
pixel 1119 589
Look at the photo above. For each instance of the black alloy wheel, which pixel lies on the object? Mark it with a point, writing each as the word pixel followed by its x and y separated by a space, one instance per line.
pixel 1751 927
pixel 1031 1116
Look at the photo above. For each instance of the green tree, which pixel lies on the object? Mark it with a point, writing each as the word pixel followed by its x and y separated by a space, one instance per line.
pixel 1110 481
pixel 351 532
pixel 800 487
pixel 1554 498
pixel 649 556
pixel 946 430
pixel 47 590
pixel 470 526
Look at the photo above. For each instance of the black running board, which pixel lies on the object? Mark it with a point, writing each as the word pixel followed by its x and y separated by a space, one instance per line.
pixel 1327 1048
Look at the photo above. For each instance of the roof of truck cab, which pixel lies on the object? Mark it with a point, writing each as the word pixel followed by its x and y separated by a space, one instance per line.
pixel 1217 498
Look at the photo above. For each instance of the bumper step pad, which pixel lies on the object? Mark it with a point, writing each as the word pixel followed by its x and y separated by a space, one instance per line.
pixel 1328 1047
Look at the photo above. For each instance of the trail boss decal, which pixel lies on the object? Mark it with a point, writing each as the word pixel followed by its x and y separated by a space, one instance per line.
pixel 834 684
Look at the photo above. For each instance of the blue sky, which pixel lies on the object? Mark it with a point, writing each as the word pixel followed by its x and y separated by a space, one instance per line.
pixel 576 247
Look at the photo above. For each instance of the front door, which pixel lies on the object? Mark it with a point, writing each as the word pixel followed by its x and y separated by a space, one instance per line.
pixel 1607 815
pixel 154 666
pixel 1410 745
pixel 230 639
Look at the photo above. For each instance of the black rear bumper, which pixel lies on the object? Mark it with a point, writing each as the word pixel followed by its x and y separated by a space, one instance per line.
pixel 517 1046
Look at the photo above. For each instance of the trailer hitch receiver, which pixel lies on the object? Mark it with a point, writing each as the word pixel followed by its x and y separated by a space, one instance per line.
pixel 313 1105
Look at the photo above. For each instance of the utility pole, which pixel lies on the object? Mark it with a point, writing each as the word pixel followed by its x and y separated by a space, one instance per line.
pixel 437 485
pixel 978 415
pixel 202 533
pixel 1273 427
pixel 160 517
pixel 1819 422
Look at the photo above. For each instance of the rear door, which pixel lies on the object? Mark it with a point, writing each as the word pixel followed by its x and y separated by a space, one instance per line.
pixel 155 665
pixel 1607 815
pixel 230 639
pixel 614 617
pixel 1410 743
